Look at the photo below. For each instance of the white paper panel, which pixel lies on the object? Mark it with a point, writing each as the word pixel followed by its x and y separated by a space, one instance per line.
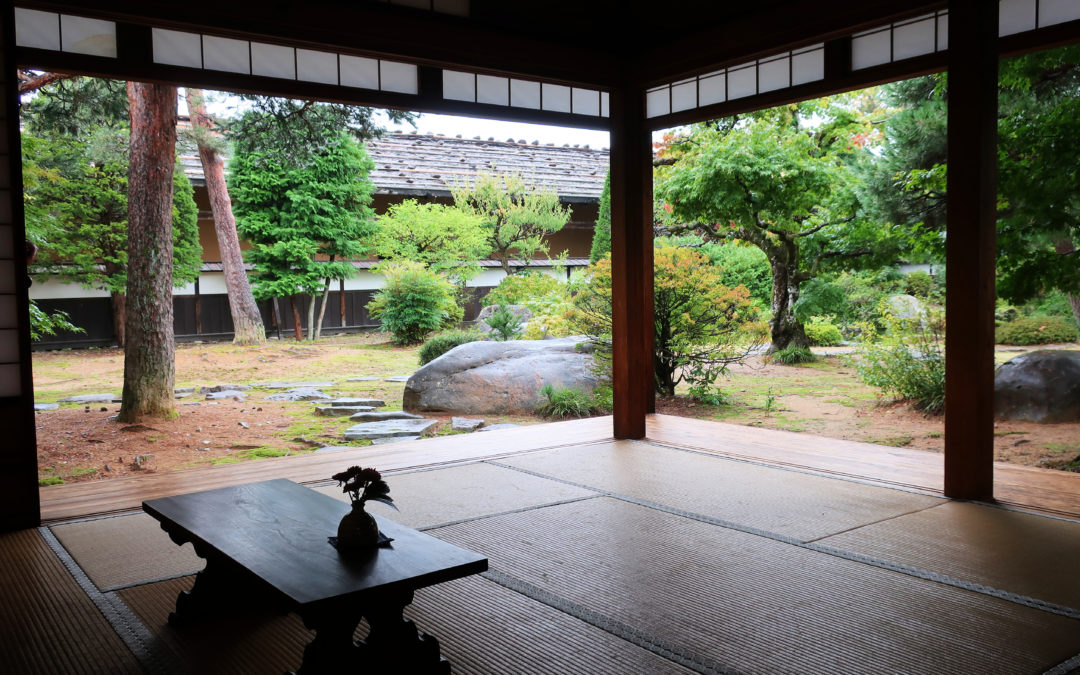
pixel 913 39
pixel 808 67
pixel 605 102
pixel 458 86
pixel 455 7
pixel 398 77
pixel 525 94
pixel 9 345
pixel 313 66
pixel 684 95
pixel 88 36
pixel 555 97
pixel 225 54
pixel 39 30
pixel 174 48
pixel 493 90
pixel 273 61
pixel 359 72
pixel 712 89
pixel 1058 11
pixel 742 82
pixel 7 242
pixel 658 102
pixel 10 382
pixel 1016 16
pixel 586 101
pixel 9 314
pixel 7 276
pixel 943 32
pixel 773 75
pixel 870 50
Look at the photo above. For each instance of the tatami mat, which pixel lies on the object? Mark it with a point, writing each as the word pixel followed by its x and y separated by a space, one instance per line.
pixel 785 502
pixel 760 605
pixel 1016 552
pixel 426 498
pixel 482 627
pixel 126 550
pixel 47 623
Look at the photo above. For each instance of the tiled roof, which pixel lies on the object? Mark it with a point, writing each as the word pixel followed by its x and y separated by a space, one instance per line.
pixel 212 266
pixel 415 165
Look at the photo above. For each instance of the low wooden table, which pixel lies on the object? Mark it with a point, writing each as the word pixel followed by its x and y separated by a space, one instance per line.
pixel 268 541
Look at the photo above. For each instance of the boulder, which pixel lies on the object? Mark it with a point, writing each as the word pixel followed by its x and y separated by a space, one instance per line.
pixel 1040 386
pixel 907 307
pixel 523 313
pixel 499 377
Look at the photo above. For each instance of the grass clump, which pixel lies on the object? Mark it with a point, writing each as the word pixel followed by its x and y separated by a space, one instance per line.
pixel 564 402
pixel 50 480
pixel 1036 330
pixel 444 342
pixel 793 355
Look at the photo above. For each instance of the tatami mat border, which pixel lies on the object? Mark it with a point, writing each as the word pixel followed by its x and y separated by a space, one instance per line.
pixel 1066 667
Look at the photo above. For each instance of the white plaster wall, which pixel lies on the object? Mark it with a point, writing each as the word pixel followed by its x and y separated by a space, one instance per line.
pixel 50 289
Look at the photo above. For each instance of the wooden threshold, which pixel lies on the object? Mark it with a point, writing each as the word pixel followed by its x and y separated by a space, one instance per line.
pixel 1033 489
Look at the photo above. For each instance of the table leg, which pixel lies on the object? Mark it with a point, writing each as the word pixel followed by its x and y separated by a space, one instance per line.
pixel 333 649
pixel 394 641
pixel 212 594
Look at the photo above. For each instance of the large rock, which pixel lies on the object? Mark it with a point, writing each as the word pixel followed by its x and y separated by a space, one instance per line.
pixel 1041 386
pixel 907 307
pixel 499 377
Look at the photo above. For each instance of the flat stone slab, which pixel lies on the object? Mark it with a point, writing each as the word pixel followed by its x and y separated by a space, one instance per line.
pixel 394 439
pixel 505 425
pixel 465 424
pixel 299 394
pixel 385 415
pixel 398 378
pixel 388 429
pixel 226 395
pixel 295 385
pixel 366 378
pixel 46 406
pixel 341 410
pixel 223 387
pixel 373 402
pixel 91 398
pixel 184 390
pixel 335 448
pixel 183 394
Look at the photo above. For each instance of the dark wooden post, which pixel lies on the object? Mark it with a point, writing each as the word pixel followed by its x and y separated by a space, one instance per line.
pixel 970 250
pixel 631 262
pixel 18 453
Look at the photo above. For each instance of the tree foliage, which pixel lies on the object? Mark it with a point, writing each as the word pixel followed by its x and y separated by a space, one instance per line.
pixel 515 214
pixel 601 241
pixel 442 238
pixel 414 302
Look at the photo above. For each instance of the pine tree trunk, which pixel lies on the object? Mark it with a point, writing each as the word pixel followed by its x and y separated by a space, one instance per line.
pixel 311 317
pixel 322 310
pixel 248 327
pixel 119 315
pixel 297 324
pixel 786 330
pixel 149 345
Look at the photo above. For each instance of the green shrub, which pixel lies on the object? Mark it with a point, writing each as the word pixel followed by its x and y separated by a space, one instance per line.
pixel 439 344
pixel 414 302
pixel 709 396
pixel 822 331
pixel 908 364
pixel 919 283
pixel 603 399
pixel 793 355
pixel 521 288
pixel 1054 303
pixel 564 402
pixel 743 265
pixel 1036 330
pixel 505 325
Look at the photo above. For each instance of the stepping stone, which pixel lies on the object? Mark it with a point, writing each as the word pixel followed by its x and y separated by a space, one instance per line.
pixel 385 415
pixel 46 406
pixel 226 395
pixel 334 448
pixel 398 378
pixel 363 379
pixel 342 410
pixel 223 387
pixel 91 398
pixel 496 427
pixel 388 429
pixel 295 385
pixel 465 424
pixel 394 439
pixel 299 394
pixel 184 390
pixel 183 394
pixel 374 402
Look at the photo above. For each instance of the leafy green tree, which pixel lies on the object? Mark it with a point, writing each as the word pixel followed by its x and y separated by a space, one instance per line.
pixel 414 302
pixel 305 223
pixel 601 240
pixel 515 214
pixel 442 238
pixel 784 185
pixel 1038 172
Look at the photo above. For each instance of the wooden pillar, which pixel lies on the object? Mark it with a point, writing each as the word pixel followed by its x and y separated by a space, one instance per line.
pixel 18 452
pixel 970 249
pixel 631 262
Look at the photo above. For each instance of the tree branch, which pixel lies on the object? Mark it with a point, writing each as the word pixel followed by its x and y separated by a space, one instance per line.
pixel 30 81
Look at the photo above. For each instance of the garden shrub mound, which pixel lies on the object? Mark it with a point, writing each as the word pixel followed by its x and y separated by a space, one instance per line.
pixel 444 342
pixel 1037 330
pixel 499 377
pixel 1041 386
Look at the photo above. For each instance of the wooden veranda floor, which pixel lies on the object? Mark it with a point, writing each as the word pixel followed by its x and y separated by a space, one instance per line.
pixel 705 548
pixel 1052 492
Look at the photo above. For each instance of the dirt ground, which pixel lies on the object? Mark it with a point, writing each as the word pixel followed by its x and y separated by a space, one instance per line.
pixel 82 442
